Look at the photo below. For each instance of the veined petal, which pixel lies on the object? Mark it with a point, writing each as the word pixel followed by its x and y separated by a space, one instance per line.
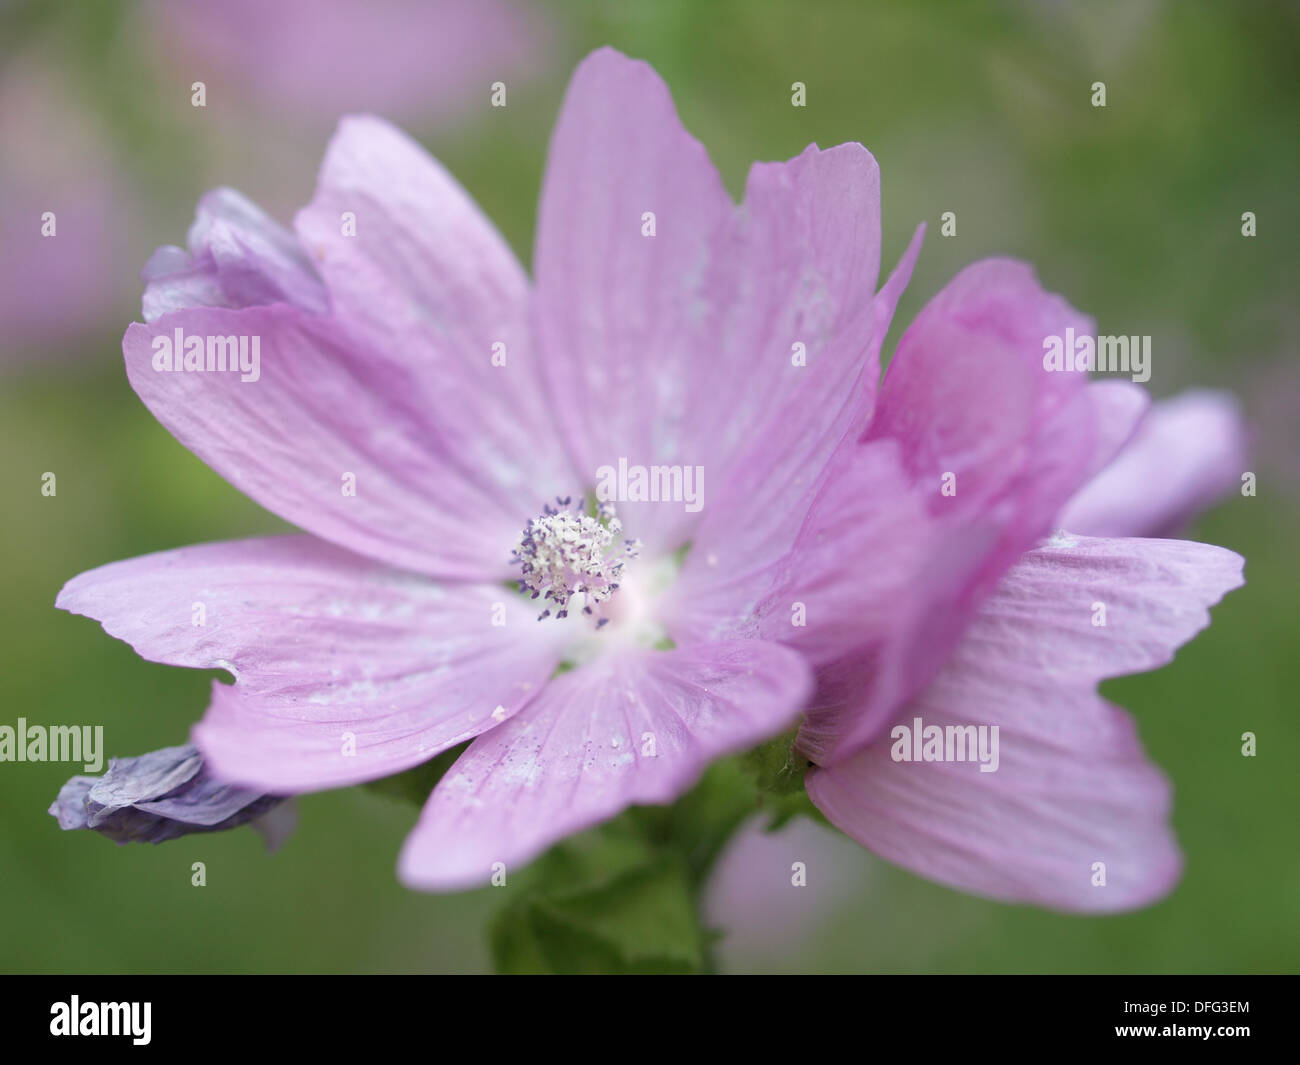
pixel 735 340
pixel 329 436
pixel 993 443
pixel 425 281
pixel 344 670
pixel 1071 785
pixel 628 729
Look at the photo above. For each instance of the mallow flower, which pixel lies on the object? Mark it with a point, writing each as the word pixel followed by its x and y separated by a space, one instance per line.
pixel 788 540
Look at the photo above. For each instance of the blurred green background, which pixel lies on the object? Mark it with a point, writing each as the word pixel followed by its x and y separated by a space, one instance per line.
pixel 1133 211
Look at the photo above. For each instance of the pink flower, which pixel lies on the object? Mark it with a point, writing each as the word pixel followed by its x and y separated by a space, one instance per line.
pixel 419 403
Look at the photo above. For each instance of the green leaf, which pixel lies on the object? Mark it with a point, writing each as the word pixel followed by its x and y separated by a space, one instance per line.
pixel 642 920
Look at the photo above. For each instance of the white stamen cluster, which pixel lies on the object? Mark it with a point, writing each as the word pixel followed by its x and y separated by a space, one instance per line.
pixel 566 552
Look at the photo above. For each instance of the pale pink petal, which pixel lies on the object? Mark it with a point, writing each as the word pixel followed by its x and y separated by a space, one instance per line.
pixel 1189 453
pixel 621 316
pixel 238 257
pixel 322 644
pixel 743 575
pixel 631 728
pixel 331 436
pixel 738 340
pixel 860 551
pixel 1072 786
pixel 1121 409
pixel 418 273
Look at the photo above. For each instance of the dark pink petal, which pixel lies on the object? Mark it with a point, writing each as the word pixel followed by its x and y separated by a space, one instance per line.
pixel 630 728
pixel 966 395
pixel 322 644
pixel 1073 786
pixel 1189 452
pixel 332 437
pixel 430 286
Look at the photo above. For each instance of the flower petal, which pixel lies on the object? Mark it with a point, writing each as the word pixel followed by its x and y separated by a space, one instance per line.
pixel 735 340
pixel 620 315
pixel 1188 453
pixel 632 728
pixel 344 670
pixel 1072 786
pixel 238 257
pixel 993 444
pixel 421 275
pixel 330 437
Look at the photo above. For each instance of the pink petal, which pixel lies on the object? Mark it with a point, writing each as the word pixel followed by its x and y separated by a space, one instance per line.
pixel 966 394
pixel 331 437
pixel 679 348
pixel 1189 453
pixel 630 728
pixel 859 553
pixel 428 284
pixel 1121 410
pixel 771 541
pixel 1073 786
pixel 621 315
pixel 321 643
pixel 238 257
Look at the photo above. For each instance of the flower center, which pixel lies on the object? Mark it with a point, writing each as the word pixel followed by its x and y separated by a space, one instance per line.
pixel 567 552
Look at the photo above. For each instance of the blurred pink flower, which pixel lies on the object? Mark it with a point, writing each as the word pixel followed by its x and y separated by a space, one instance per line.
pixel 411 59
pixel 754 895
pixel 55 290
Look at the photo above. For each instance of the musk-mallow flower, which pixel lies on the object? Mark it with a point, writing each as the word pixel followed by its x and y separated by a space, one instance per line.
pixel 436 423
